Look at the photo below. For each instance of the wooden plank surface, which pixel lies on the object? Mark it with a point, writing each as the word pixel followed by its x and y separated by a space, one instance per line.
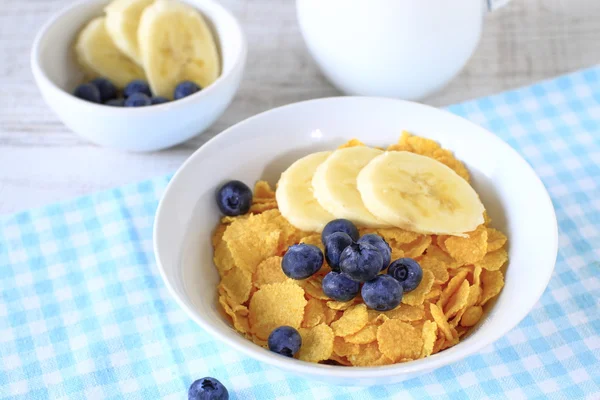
pixel 42 162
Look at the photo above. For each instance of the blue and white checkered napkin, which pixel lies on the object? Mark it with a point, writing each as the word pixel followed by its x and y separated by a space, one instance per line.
pixel 84 313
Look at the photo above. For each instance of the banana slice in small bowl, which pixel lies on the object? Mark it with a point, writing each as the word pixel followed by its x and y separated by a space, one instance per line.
pixel 196 46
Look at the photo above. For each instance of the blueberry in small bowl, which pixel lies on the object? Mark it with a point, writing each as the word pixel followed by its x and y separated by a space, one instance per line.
pixel 339 287
pixel 88 92
pixel 301 261
pixel 184 89
pixel 406 271
pixel 137 86
pixel 361 261
pixel 334 245
pixel 107 89
pixel 137 100
pixel 285 340
pixel 234 198
pixel 340 225
pixel 383 293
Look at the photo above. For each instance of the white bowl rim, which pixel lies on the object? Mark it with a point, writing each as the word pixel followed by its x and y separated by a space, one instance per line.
pixel 39 72
pixel 308 368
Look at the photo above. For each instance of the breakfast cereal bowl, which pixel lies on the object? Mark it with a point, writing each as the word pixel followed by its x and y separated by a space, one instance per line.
pixel 57 74
pixel 263 146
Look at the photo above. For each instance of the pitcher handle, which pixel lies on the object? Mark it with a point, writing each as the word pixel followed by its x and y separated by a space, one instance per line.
pixel 493 5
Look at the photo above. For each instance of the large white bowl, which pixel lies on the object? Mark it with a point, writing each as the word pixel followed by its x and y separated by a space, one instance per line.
pixel 264 145
pixel 150 128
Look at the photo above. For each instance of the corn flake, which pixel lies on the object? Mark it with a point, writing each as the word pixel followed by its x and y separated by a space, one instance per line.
pixel 366 335
pixel 263 192
pixel 367 355
pixel 441 321
pixel 437 268
pixel 405 312
pixel 313 313
pixel 471 316
pixel 317 343
pixel 453 285
pixel 494 260
pixel 492 282
pixel 343 349
pixel 237 283
pixel 340 305
pixel 353 320
pixel 470 249
pixel 429 335
pixel 496 239
pixel 458 300
pixel 269 271
pixel 352 143
pixel 274 305
pixel 399 340
pixel 417 296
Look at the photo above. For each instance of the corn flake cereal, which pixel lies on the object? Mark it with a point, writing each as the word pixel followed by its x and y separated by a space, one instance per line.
pixel 494 260
pixel 353 320
pixel 317 343
pixel 460 275
pixel 399 340
pixel 366 335
pixel 314 313
pixel 470 249
pixel 274 305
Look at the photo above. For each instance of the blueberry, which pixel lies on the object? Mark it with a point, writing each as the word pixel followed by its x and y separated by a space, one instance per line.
pixel 107 90
pixel 382 293
pixel 301 261
pixel 339 225
pixel 361 261
pixel 116 102
pixel 137 86
pixel 234 198
pixel 339 287
pixel 88 92
pixel 382 246
pixel 207 389
pixel 184 89
pixel 285 340
pixel 406 271
pixel 159 100
pixel 137 100
pixel 334 245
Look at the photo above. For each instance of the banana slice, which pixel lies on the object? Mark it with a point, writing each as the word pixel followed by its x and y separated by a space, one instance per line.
pixel 122 21
pixel 176 45
pixel 335 188
pixel 420 194
pixel 99 56
pixel 295 197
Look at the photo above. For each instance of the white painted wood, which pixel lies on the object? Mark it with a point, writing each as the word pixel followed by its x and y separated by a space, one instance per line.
pixel 42 162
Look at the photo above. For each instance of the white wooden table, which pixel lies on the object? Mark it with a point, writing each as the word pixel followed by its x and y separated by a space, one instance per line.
pixel 42 162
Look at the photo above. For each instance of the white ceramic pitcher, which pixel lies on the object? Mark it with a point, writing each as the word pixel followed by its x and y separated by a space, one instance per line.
pixel 392 48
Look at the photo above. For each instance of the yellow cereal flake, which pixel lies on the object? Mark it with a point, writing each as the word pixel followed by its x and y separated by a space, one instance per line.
pixel 340 305
pixel 263 192
pixel 317 343
pixel 313 291
pixel 352 143
pixel 417 296
pixel 269 271
pixel 399 340
pixel 223 259
pixel 368 354
pixel 496 239
pixel 239 318
pixel 237 283
pixel 452 286
pixel 313 313
pixel 435 252
pixel 429 335
pixel 253 239
pixel 458 300
pixel 258 208
pixel 471 316
pixel 437 268
pixel 405 312
pixel 469 249
pixel 494 260
pixel 492 283
pixel 331 315
pixel 441 321
pixel 353 320
pixel 486 218
pixel 274 305
pixel 474 295
pixel 416 248
pixel 366 335
pixel 343 349
pixel 395 236
pixel 340 360
pixel 217 236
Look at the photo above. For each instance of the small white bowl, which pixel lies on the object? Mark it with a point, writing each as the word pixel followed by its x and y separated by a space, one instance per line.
pixel 141 129
pixel 264 145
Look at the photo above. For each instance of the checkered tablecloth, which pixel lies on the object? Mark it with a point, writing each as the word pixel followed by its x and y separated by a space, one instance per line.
pixel 84 313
